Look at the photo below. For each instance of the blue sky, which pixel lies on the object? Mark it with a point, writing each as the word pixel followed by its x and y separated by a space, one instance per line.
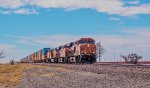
pixel 123 26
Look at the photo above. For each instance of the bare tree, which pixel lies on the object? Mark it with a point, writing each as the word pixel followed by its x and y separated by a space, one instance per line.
pixel 100 50
pixel 1 54
pixel 132 58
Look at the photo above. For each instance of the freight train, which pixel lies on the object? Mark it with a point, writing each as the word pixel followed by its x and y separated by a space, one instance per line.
pixel 80 51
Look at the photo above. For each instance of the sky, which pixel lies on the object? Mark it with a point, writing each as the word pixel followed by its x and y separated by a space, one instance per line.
pixel 122 26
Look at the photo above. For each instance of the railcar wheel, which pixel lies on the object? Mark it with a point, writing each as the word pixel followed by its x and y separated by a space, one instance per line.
pixel 68 60
pixel 44 61
pixel 49 60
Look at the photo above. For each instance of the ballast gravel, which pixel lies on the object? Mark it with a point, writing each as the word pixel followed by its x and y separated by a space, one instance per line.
pixel 86 76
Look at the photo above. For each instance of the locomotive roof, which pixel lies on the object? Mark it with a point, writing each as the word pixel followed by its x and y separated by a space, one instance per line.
pixel 87 39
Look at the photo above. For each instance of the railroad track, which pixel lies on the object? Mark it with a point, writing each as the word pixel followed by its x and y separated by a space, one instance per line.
pixel 123 64
pixel 114 64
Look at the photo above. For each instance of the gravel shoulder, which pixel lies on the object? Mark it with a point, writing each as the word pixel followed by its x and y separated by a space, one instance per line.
pixel 85 76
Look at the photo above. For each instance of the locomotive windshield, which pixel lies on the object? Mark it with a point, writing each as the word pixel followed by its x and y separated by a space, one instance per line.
pixel 86 41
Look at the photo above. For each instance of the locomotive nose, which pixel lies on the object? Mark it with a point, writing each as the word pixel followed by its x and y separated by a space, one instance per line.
pixel 88 49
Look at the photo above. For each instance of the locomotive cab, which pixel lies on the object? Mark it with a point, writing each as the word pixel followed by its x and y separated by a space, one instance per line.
pixel 86 48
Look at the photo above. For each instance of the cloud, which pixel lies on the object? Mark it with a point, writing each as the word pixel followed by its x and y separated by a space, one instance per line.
pixel 133 10
pixel 134 2
pixel 19 11
pixel 11 3
pixel 27 42
pixel 6 46
pixel 114 18
pixel 119 7
pixel 5 12
pixel 45 40
pixel 25 11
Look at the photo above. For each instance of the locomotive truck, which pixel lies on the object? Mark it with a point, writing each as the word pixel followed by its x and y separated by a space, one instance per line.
pixel 80 51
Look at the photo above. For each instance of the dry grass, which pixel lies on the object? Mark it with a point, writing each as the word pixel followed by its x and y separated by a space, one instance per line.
pixel 11 75
pixel 34 74
pixel 48 75
pixel 62 68
pixel 43 74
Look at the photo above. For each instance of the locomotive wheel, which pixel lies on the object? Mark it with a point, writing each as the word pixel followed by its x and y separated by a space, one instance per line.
pixel 77 59
pixel 65 60
pixel 55 60
pixel 68 60
pixel 80 59
pixel 60 60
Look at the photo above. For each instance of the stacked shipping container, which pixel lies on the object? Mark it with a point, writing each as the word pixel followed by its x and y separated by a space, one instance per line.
pixel 36 57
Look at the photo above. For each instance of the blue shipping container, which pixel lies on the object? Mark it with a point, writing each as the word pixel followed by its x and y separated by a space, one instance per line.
pixel 45 50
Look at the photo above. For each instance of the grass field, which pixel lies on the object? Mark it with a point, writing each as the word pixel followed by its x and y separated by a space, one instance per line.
pixel 11 75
